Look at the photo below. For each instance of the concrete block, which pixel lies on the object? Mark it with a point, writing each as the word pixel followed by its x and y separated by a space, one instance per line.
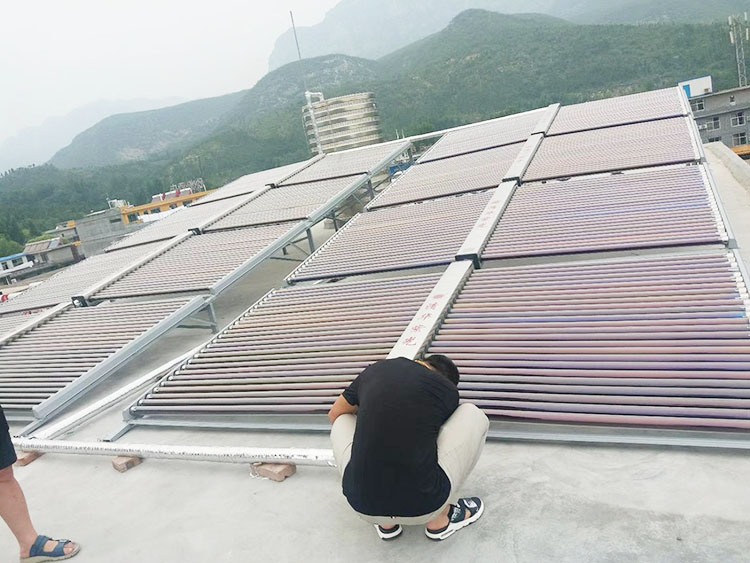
pixel 274 471
pixel 25 458
pixel 123 464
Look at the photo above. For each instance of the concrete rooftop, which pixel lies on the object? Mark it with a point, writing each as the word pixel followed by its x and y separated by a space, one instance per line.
pixel 545 502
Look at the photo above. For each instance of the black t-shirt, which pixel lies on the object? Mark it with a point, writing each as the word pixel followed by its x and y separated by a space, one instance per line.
pixel 394 467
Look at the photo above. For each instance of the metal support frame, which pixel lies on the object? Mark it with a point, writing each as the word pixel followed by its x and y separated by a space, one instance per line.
pixel 253 262
pixel 203 323
pixel 289 279
pixel 310 240
pixel 430 315
pixel 480 234
pixel 74 390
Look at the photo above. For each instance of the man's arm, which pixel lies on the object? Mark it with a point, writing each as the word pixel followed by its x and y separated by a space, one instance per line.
pixel 341 406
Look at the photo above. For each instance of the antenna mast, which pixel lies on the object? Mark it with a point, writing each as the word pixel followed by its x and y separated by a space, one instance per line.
pixel 739 33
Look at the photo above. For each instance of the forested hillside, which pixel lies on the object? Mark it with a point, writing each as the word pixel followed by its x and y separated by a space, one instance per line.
pixel 482 65
pixel 375 28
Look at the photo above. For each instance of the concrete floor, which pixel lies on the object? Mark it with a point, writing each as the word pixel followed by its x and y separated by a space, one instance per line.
pixel 545 502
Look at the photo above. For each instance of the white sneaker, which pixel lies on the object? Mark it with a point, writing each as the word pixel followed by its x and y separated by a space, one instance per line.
pixel 390 533
pixel 457 518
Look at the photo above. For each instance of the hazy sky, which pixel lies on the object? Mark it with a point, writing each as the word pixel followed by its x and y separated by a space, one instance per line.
pixel 56 55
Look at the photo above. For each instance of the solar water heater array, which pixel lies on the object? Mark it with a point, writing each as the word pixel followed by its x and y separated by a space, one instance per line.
pixel 351 162
pixel 659 341
pixel 656 207
pixel 47 366
pixel 639 145
pixel 74 279
pixel 471 172
pixel 288 203
pixel 12 322
pixel 623 110
pixel 181 221
pixel 199 262
pixel 253 182
pixel 293 352
pixel 415 235
pixel 485 135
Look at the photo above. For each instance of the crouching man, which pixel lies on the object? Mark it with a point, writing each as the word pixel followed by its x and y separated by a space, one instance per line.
pixel 406 454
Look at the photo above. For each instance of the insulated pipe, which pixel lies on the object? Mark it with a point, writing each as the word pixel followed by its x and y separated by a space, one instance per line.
pixel 244 455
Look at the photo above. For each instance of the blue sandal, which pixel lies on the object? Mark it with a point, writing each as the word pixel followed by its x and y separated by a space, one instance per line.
pixel 38 555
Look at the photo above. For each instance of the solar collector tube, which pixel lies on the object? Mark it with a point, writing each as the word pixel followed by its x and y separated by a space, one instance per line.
pixel 409 236
pixel 640 145
pixel 336 331
pixel 197 263
pixel 671 347
pixel 646 106
pixel 485 135
pixel 466 173
pixel 46 359
pixel 608 212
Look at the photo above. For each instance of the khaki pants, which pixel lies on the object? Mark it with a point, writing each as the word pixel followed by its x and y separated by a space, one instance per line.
pixel 460 444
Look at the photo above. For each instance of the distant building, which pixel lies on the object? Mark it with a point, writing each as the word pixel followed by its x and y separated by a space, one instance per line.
pixel 53 252
pixel 11 266
pixel 723 117
pixel 162 203
pixel 345 122
pixel 698 86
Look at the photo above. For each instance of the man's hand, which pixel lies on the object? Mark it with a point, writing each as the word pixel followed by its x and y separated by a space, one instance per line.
pixel 341 406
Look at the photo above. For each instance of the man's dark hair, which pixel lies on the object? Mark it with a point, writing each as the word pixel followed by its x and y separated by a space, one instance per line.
pixel 443 364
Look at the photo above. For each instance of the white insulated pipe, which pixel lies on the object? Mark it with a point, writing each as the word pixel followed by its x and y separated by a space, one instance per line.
pixel 297 456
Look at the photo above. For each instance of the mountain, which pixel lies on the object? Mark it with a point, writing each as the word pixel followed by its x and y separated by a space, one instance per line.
pixel 154 134
pixel 374 28
pixel 135 136
pixel 36 145
pixel 482 65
